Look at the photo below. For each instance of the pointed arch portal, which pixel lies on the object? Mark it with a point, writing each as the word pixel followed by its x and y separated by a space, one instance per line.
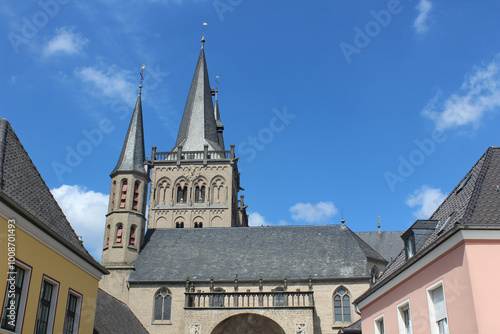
pixel 248 323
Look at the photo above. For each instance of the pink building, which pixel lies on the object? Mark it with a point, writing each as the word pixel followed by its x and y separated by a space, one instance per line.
pixel 447 279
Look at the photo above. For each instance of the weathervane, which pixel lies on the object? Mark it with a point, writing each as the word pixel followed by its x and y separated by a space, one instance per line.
pixel 142 78
pixel 203 37
pixel 217 83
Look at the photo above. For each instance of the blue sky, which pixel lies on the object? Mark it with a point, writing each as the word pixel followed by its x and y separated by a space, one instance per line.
pixel 373 108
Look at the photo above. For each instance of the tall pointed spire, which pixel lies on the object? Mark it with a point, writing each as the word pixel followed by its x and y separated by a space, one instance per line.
pixel 133 154
pixel 198 125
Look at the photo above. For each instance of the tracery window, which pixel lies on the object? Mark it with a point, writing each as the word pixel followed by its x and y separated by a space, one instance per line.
pixel 342 305
pixel 163 304
pixel 374 274
pixel 199 194
pixel 181 194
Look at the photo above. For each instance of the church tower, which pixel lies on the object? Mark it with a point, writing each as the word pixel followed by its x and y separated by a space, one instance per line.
pixel 126 218
pixel 196 184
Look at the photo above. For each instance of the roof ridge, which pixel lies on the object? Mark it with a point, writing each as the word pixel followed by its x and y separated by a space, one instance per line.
pixel 359 240
pixel 4 124
pixel 477 186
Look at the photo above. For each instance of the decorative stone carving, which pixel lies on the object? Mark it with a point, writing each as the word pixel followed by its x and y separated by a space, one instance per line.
pixel 300 328
pixel 195 329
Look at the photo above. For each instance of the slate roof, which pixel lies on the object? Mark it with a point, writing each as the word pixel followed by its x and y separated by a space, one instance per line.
pixel 475 201
pixel 273 252
pixel 198 126
pixel 112 316
pixel 133 155
pixel 24 188
pixel 355 328
pixel 386 243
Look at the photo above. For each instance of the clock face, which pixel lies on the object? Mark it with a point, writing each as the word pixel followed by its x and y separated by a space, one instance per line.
pixel 191 173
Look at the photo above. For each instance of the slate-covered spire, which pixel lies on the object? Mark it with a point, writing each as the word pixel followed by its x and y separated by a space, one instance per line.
pixel 133 154
pixel 198 125
pixel 220 126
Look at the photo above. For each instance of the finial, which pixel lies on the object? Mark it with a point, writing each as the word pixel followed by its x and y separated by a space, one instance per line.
pixel 203 37
pixel 216 85
pixel 342 213
pixel 142 78
pixel 378 225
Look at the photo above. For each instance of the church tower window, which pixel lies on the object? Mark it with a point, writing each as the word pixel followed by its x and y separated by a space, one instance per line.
pixel 179 225
pixel 123 197
pixel 181 194
pixel 199 194
pixel 131 241
pixel 136 195
pixel 119 234
pixel 342 305
pixel 163 304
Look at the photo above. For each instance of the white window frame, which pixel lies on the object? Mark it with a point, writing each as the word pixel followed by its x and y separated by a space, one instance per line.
pixel 432 314
pixel 404 306
pixel 78 310
pixel 53 303
pixel 24 296
pixel 376 323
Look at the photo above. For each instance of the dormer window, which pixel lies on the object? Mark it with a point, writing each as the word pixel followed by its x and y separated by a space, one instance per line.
pixel 410 246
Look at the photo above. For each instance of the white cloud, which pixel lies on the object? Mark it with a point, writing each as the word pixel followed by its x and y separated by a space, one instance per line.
pixel 421 24
pixel 479 93
pixel 256 219
pixel 110 83
pixel 313 213
pixel 426 200
pixel 85 210
pixel 66 41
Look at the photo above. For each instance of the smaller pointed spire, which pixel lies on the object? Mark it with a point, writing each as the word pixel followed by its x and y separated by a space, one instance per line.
pixel 133 154
pixel 378 225
pixel 220 126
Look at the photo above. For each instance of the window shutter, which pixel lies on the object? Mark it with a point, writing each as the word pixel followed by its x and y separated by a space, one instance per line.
pixel 439 305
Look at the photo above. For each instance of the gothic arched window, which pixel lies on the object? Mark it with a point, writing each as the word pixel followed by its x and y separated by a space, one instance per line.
pixel 181 194
pixel 136 195
pixel 119 234
pixel 123 197
pixel 131 240
pixel 163 304
pixel 374 274
pixel 179 225
pixel 113 194
pixel 342 305
pixel 108 228
pixel 199 194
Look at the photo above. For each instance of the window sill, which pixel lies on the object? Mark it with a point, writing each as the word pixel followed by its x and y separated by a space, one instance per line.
pixel 161 322
pixel 117 246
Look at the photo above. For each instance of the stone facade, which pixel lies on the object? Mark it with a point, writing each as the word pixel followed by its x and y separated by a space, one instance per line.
pixel 198 228
pixel 317 319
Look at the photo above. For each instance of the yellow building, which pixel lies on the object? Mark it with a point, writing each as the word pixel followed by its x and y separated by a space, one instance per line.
pixel 49 279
